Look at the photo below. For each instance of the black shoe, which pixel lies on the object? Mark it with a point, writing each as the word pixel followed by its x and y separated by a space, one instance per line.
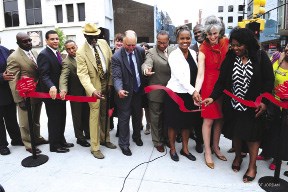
pixel 41 141
pixel 17 143
pixel 67 145
pixel 37 151
pixel 4 151
pixel 59 150
pixel 126 151
pixel 174 156
pixel 199 148
pixel 189 155
pixel 138 142
pixel 83 143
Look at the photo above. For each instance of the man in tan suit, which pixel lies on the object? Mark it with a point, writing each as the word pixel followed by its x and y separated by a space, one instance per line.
pixel 22 62
pixel 69 82
pixel 94 71
pixel 156 67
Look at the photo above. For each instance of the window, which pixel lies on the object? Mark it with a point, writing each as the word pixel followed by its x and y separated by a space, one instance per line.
pixel 81 11
pixel 230 8
pixel 240 7
pixel 70 12
pixel 59 13
pixel 240 18
pixel 220 9
pixel 33 12
pixel 11 15
pixel 230 19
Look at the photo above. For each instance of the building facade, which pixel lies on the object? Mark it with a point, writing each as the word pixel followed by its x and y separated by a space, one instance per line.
pixel 36 17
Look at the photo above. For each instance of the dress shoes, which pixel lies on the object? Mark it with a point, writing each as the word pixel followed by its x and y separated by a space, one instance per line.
pixel 174 156
pixel 138 142
pixel 210 165
pixel 160 148
pixel 4 151
pixel 189 155
pixel 83 143
pixel 97 154
pixel 67 145
pixel 17 143
pixel 41 141
pixel 126 151
pixel 31 151
pixel 59 150
pixel 109 145
pixel 199 148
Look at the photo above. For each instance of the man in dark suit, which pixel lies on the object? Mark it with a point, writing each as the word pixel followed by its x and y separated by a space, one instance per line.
pixel 69 82
pixel 126 72
pixel 156 67
pixel 8 117
pixel 22 62
pixel 49 65
pixel 199 36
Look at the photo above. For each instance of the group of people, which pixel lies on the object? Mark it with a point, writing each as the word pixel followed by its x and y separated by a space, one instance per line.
pixel 197 73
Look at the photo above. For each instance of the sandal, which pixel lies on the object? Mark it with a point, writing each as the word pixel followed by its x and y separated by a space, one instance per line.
pixel 236 168
pixel 247 178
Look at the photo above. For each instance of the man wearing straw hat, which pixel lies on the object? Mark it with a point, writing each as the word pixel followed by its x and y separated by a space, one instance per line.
pixel 93 69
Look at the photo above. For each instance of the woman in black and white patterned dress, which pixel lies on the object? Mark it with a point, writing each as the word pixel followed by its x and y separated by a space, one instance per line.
pixel 246 72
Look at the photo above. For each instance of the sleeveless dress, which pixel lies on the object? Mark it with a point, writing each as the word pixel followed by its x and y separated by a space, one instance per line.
pixel 214 56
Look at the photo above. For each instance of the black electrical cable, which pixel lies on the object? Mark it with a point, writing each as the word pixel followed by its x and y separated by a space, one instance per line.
pixel 140 165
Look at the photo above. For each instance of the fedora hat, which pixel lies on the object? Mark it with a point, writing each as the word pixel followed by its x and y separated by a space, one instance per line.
pixel 91 29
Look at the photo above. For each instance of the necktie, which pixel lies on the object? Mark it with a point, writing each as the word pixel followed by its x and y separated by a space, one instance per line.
pixel 31 57
pixel 59 57
pixel 135 83
pixel 99 64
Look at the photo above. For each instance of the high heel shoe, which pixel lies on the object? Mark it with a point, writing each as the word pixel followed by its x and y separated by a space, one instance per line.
pixel 221 157
pixel 236 168
pixel 210 165
pixel 247 179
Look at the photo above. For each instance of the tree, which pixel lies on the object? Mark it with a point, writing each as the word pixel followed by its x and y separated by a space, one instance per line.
pixel 62 39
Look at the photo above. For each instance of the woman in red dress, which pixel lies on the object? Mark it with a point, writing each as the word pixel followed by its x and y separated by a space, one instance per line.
pixel 212 53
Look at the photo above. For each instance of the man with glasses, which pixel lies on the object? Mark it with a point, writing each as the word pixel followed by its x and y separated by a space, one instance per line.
pixel 94 71
pixel 22 62
pixel 156 67
pixel 126 71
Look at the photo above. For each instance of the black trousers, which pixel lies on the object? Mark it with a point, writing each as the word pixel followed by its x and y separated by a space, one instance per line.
pixel 8 121
pixel 56 113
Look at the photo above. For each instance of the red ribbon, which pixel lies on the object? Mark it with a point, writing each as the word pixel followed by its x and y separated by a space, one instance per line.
pixel 26 88
pixel 172 95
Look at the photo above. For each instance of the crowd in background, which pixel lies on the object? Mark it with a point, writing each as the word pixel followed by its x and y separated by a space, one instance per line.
pixel 198 74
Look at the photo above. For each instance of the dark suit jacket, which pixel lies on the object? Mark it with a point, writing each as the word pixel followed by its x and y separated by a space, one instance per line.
pixel 5 92
pixel 49 70
pixel 195 48
pixel 122 74
pixel 69 80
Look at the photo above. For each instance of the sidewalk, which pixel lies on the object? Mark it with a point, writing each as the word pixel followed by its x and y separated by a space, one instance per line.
pixel 79 171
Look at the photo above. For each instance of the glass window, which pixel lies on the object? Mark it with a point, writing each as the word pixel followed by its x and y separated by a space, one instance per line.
pixel 240 18
pixel 240 7
pixel 70 12
pixel 230 8
pixel 81 11
pixel 11 15
pixel 59 13
pixel 220 8
pixel 33 12
pixel 230 19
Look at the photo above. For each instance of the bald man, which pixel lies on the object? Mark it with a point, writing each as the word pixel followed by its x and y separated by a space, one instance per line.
pixel 126 72
pixel 22 62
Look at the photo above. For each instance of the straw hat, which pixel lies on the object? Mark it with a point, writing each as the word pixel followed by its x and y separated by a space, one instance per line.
pixel 91 29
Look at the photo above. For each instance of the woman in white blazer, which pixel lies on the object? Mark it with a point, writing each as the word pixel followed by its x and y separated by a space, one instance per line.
pixel 182 62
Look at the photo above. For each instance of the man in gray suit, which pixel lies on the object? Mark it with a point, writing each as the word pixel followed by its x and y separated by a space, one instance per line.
pixel 69 82
pixel 157 68
pixel 21 63
pixel 126 72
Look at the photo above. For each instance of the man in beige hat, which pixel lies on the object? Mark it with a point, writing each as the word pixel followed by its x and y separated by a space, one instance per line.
pixel 94 71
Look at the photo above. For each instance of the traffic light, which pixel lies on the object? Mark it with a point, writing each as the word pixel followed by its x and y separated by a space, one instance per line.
pixel 258 7
pixel 255 28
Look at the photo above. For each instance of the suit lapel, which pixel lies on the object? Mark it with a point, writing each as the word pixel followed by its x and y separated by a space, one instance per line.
pixel 90 56
pixel 125 59
pixel 27 60
pixel 161 54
